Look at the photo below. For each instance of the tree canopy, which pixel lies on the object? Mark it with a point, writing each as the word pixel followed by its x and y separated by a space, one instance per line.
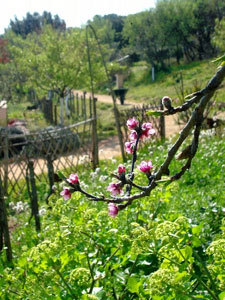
pixel 39 51
pixel 35 23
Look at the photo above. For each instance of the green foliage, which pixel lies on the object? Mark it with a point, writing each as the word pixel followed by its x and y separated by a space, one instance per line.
pixel 109 31
pixel 166 246
pixel 51 60
pixel 195 75
pixel 173 30
pixel 50 63
pixel 219 35
pixel 35 22
pixel 13 75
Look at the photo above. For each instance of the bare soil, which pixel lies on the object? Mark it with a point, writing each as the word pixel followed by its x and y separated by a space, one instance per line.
pixel 110 148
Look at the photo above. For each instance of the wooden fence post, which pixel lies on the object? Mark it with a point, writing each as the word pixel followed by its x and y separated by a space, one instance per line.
pixel 73 105
pixel 95 157
pixel 118 126
pixel 77 99
pixel 50 176
pixel 6 161
pixel 34 198
pixel 50 111
pixel 61 111
pixel 162 124
pixel 90 107
pixel 84 104
pixel 55 115
pixel 4 228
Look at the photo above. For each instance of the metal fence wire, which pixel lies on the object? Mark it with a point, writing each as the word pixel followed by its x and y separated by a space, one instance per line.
pixel 75 108
pixel 63 147
pixel 140 112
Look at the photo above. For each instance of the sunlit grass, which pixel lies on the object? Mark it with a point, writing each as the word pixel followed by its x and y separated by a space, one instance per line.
pixel 141 87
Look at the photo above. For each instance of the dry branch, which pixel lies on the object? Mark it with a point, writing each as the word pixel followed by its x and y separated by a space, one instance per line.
pixel 200 99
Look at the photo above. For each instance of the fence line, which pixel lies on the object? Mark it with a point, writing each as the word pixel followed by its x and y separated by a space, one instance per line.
pixel 75 107
pixel 65 146
pixel 140 112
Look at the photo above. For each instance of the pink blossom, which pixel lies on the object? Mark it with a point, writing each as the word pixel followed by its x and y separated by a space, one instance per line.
pixel 133 135
pixel 121 169
pixel 129 147
pixel 132 123
pixel 147 130
pixel 115 188
pixel 113 210
pixel 145 166
pixel 66 193
pixel 73 178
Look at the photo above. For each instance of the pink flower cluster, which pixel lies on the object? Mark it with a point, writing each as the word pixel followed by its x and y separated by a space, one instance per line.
pixel 145 166
pixel 115 188
pixel 129 147
pixel 133 125
pixel 112 210
pixel 121 169
pixel 147 130
pixel 73 179
pixel 66 193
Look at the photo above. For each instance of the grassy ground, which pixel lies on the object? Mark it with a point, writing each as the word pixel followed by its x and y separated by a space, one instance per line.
pixel 195 75
pixel 35 118
pixel 127 254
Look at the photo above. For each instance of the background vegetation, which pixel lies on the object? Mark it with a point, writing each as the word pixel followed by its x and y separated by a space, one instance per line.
pixel 167 246
pixel 156 249
pixel 40 52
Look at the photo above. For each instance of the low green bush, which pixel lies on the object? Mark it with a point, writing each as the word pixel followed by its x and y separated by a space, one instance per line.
pixel 170 245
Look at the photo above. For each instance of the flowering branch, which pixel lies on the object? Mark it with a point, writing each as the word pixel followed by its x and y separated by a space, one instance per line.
pixel 139 131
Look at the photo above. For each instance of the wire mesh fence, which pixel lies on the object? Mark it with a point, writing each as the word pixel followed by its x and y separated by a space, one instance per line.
pixel 74 107
pixel 140 112
pixel 56 147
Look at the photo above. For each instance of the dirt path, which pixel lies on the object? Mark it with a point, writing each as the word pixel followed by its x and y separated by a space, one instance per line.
pixel 110 147
pixel 107 148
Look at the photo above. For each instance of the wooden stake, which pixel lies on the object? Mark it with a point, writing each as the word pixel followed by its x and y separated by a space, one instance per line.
pixel 4 228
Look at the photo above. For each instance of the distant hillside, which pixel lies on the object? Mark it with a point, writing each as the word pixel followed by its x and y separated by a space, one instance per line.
pixel 194 76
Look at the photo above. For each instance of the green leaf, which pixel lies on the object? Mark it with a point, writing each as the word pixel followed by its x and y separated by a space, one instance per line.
pixel 133 284
pixel 188 252
pixel 22 262
pixel 219 59
pixel 64 259
pixel 196 241
pixel 121 277
pixel 61 175
pixel 154 113
pixel 197 229
pixel 222 296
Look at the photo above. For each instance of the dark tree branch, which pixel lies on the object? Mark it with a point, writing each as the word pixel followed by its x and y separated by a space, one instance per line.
pixel 200 98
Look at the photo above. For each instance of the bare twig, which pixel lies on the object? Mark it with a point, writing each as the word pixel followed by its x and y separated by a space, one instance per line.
pixel 200 98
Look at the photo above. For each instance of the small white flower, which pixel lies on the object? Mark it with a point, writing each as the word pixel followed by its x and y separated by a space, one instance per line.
pixel 93 175
pixel 97 170
pixel 102 178
pixel 42 211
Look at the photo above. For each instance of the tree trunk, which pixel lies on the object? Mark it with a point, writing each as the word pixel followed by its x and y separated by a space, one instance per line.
pixel 4 229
